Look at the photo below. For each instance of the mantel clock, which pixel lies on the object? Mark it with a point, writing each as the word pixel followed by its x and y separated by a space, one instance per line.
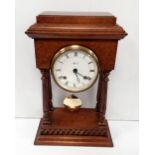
pixel 75 49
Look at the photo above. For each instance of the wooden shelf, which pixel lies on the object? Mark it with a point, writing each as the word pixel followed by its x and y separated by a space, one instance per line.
pixel 78 128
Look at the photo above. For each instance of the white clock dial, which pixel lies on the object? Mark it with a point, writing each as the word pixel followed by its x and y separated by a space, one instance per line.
pixel 75 68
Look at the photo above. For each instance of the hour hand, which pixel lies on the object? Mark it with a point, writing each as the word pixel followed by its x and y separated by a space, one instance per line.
pixel 75 71
pixel 78 79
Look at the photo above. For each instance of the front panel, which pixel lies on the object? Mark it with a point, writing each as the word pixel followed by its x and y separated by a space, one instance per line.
pixel 104 49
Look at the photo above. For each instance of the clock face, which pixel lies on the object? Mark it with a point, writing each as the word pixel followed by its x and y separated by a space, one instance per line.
pixel 75 68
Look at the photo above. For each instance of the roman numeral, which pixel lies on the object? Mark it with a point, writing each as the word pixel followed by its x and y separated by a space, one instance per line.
pixel 66 83
pixel 58 70
pixel 84 56
pixel 92 70
pixel 90 62
pixel 88 78
pixel 60 62
pixel 62 77
pixel 67 56
pixel 75 54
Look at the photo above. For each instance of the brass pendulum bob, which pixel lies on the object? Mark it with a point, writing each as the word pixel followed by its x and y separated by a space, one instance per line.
pixel 72 102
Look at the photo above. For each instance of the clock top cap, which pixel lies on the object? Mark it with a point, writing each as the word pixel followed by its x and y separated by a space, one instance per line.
pixel 49 13
pixel 77 18
pixel 76 25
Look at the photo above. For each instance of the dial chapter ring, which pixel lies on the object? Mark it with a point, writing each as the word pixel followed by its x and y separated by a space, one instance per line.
pixel 75 47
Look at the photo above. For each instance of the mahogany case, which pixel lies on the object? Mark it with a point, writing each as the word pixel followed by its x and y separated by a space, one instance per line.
pixel 51 32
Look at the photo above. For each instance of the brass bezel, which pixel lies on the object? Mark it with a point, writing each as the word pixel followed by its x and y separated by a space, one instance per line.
pixel 75 47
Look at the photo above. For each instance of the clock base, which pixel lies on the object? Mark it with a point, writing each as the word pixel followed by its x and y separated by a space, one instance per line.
pixel 78 128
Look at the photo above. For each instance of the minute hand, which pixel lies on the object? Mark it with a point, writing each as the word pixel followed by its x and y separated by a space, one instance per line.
pixel 85 77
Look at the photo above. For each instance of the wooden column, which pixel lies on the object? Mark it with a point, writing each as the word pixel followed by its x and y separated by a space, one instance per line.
pixel 50 92
pixel 102 96
pixel 47 93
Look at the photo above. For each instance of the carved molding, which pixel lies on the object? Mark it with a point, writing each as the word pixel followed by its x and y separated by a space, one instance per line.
pixel 106 76
pixel 77 132
pixel 45 74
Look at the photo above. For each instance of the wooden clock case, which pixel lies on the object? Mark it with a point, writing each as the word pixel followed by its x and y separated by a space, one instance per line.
pixel 53 31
